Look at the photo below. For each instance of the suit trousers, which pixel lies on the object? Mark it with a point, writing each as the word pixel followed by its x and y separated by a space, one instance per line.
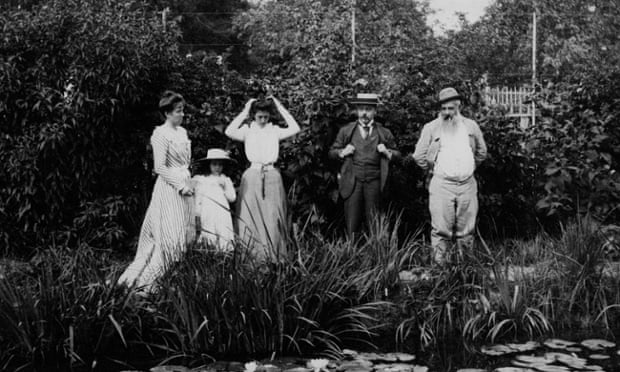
pixel 363 202
pixel 453 208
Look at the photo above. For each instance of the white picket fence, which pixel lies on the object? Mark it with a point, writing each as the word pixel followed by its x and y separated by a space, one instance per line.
pixel 516 101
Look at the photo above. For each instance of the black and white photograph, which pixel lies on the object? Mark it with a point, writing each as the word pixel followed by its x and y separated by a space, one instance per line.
pixel 309 185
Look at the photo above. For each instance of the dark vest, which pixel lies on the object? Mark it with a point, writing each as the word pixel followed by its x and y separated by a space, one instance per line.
pixel 366 158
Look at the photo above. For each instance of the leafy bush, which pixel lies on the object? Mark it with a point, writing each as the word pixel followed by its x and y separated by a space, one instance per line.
pixel 576 144
pixel 63 147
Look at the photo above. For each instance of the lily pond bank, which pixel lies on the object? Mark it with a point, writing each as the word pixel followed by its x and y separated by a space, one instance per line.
pixel 552 355
pixel 61 311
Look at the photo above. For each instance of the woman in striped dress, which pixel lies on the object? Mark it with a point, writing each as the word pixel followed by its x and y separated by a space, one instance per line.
pixel 164 230
pixel 261 206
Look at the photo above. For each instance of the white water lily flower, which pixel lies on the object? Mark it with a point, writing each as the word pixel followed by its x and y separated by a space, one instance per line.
pixel 251 366
pixel 318 364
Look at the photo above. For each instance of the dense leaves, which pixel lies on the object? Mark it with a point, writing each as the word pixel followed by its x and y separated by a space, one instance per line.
pixel 79 82
pixel 70 89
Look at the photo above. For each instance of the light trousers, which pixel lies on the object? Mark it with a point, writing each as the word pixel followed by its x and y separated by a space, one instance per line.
pixel 453 208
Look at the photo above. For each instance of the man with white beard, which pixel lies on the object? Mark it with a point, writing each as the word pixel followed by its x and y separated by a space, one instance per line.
pixel 450 148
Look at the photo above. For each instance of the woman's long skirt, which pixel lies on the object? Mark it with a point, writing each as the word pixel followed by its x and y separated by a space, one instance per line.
pixel 261 214
pixel 163 236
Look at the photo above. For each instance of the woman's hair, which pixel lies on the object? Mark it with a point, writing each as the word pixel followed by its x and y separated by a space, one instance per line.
pixel 168 101
pixel 262 105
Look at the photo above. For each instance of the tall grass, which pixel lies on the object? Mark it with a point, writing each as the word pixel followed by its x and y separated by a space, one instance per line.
pixel 61 313
pixel 533 288
pixel 322 297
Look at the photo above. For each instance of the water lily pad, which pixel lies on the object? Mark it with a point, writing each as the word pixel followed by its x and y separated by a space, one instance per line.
pixel 471 370
pixel 556 343
pixel 298 369
pixel 513 369
pixel 349 353
pixel 598 356
pixel 396 368
pixel 527 346
pixel 417 368
pixel 389 357
pixel 497 350
pixel 517 363
pixel 597 344
pixel 574 349
pixel 551 368
pixel 567 359
pixel 530 359
pixel 403 357
pixel 170 368
pixel 269 368
pixel 593 367
pixel 355 364
pixel 369 356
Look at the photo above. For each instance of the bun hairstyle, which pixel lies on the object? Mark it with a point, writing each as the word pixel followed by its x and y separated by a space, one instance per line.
pixel 262 105
pixel 168 101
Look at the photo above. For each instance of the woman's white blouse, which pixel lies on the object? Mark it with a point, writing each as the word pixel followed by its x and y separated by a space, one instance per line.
pixel 261 144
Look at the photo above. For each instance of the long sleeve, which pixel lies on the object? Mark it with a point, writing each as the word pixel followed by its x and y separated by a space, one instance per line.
pixel 481 146
pixel 229 190
pixel 390 143
pixel 338 144
pixel 421 148
pixel 292 125
pixel 236 130
pixel 174 176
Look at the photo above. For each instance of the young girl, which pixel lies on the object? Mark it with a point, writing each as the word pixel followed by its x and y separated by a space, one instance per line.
pixel 213 193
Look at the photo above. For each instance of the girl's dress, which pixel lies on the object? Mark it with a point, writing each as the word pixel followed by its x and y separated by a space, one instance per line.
pixel 212 205
pixel 165 228
pixel 261 209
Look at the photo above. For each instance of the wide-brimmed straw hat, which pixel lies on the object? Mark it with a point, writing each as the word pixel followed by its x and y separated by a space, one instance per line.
pixel 371 99
pixel 448 94
pixel 216 154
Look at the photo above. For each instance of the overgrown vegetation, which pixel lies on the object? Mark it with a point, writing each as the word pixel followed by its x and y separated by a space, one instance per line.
pixel 61 311
pixel 76 173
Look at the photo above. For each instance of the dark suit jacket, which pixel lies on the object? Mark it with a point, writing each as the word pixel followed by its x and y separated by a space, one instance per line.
pixel 347 178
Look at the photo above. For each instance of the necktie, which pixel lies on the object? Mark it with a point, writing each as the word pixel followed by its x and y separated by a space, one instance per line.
pixel 366 131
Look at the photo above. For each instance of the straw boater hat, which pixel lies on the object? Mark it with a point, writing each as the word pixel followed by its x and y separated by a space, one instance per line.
pixel 448 94
pixel 371 99
pixel 216 154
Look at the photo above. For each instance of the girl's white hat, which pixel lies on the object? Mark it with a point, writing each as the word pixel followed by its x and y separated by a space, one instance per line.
pixel 216 154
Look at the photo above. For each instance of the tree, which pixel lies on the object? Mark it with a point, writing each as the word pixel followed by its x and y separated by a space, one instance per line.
pixel 574 38
pixel 73 155
pixel 303 51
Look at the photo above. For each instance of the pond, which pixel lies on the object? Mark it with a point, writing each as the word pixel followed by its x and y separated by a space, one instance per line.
pixel 549 355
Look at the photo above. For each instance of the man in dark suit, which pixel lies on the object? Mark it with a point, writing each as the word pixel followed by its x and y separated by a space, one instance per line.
pixel 366 148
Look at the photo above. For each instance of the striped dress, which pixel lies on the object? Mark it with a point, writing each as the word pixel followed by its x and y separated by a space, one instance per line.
pixel 164 231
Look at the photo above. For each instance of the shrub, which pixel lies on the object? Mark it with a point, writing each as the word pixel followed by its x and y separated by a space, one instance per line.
pixel 63 147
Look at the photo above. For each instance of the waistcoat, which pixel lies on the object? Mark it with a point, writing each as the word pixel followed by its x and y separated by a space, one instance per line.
pixel 366 158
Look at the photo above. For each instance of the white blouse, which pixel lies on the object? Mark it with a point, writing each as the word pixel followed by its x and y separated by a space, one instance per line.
pixel 262 145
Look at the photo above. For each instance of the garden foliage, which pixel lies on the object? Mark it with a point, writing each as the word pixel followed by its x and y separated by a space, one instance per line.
pixel 76 163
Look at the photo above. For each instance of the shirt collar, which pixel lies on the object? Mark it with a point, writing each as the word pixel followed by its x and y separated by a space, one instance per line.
pixel 371 124
pixel 254 124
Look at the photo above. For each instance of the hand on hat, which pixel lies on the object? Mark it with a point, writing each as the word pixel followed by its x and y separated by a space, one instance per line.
pixel 248 104
pixel 348 150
